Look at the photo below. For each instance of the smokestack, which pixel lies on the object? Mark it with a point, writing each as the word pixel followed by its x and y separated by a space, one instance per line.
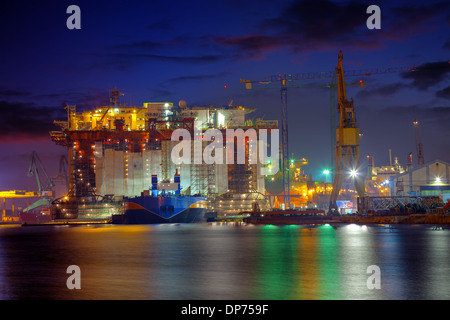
pixel 390 157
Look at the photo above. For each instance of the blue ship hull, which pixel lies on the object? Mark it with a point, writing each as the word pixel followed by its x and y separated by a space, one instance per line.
pixel 155 210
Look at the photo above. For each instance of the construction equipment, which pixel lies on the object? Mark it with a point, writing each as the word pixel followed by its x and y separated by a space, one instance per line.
pixel 62 173
pixel 332 86
pixel 44 190
pixel 419 147
pixel 33 170
pixel 347 143
pixel 14 194
pixel 283 79
pixel 114 101
pixel 284 129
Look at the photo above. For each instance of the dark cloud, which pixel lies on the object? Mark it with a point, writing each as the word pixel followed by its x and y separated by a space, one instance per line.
pixel 251 46
pixel 26 119
pixel 383 90
pixel 428 74
pixel 181 59
pixel 304 26
pixel 139 45
pixel 320 20
pixel 160 94
pixel 198 77
pixel 446 45
pixel 6 93
pixel 444 93
pixel 413 19
pixel 28 116
pixel 311 25
pixel 125 61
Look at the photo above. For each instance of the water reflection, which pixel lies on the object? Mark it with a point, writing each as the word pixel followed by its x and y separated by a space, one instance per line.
pixel 211 261
pixel 330 278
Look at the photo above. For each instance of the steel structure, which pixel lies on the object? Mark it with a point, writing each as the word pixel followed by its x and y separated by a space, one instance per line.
pixel 15 194
pixel 419 146
pixel 347 142
pixel 283 79
pixel 83 142
pixel 367 204
pixel 33 171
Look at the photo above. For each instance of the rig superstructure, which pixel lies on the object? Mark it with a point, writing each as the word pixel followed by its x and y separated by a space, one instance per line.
pixel 119 151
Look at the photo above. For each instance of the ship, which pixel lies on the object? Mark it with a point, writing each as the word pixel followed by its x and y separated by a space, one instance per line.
pixel 162 203
pixel 93 208
pixel 284 217
pixel 148 209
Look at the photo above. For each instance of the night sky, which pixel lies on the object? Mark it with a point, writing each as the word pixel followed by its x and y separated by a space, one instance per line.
pixel 156 51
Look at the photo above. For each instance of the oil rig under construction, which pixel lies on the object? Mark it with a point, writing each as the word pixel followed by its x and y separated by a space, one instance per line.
pixel 119 158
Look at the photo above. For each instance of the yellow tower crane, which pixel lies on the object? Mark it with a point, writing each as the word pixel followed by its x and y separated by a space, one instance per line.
pixel 347 142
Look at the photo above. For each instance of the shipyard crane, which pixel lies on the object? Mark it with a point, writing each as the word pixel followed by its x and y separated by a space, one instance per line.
pixel 419 147
pixel 282 79
pixel 332 86
pixel 44 190
pixel 62 173
pixel 33 171
pixel 347 142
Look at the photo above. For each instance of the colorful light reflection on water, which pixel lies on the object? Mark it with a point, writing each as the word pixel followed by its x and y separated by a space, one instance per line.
pixel 213 261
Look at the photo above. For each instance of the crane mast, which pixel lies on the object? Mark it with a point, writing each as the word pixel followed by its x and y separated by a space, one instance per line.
pixel 419 147
pixel 347 142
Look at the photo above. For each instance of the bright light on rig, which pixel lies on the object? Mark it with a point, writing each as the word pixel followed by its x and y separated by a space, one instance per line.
pixel 353 173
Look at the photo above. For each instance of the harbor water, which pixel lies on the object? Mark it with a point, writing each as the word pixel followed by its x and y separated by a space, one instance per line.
pixel 224 261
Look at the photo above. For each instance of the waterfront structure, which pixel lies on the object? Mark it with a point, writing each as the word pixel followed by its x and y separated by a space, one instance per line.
pixel 377 179
pixel 429 179
pixel 121 151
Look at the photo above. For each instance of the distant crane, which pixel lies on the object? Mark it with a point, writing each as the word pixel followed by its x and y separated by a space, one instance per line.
pixel 419 146
pixel 33 170
pixel 62 173
pixel 282 79
pixel 44 190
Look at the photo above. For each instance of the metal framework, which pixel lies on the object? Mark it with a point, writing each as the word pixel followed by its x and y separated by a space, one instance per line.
pixel 366 204
pixel 347 142
pixel 283 79
pixel 419 146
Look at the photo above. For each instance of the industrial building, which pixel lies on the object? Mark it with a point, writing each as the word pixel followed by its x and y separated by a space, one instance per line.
pixel 117 150
pixel 429 179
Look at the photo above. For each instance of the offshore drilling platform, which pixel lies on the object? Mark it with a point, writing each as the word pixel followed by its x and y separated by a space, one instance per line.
pixel 120 160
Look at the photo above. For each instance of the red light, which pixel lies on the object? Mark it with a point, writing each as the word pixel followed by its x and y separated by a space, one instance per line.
pixel 225 86
pixel 360 81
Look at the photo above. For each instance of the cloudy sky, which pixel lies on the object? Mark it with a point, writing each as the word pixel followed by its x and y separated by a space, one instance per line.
pixel 173 50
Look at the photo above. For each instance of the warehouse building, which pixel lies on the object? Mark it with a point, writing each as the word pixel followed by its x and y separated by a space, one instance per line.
pixel 429 179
